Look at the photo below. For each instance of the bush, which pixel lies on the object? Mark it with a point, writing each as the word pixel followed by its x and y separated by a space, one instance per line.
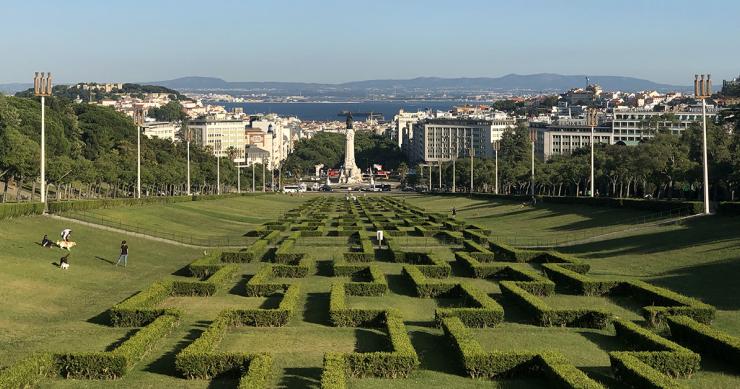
pixel 90 365
pixel 265 317
pixel 577 282
pixel 398 363
pixel 11 210
pixel 530 281
pixel 334 375
pixel 285 253
pixel 258 373
pixel 423 287
pixel 84 205
pixel 138 345
pixel 197 360
pixel 209 287
pixel 481 311
pixel 259 284
pixel 27 372
pixel 633 372
pixel 660 303
pixel 366 253
pixel 140 309
pixel 377 285
pixel 546 316
pixel 480 364
pixel 341 316
pixel 705 339
pixel 660 353
pixel 205 266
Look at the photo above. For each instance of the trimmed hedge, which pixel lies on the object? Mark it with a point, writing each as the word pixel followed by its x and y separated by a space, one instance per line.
pixel 334 374
pixel 265 317
pixel 260 285
pixel 376 286
pixel 480 364
pixel 705 339
pixel 546 316
pixel 577 282
pixel 11 210
pixel 114 364
pixel 253 253
pixel 84 205
pixel 423 287
pixel 285 252
pixel 660 302
pixel 632 372
pixel 481 311
pixel 366 253
pixel 528 279
pixel 28 371
pixel 140 309
pixel 397 363
pixel 209 287
pixel 660 353
pixel 341 316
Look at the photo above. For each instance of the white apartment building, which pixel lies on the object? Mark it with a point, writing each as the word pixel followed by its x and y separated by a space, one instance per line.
pixel 437 140
pixel 403 130
pixel 566 135
pixel 220 134
pixel 279 143
pixel 162 130
pixel 631 125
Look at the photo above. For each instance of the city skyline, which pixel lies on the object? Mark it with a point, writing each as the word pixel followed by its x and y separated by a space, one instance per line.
pixel 340 42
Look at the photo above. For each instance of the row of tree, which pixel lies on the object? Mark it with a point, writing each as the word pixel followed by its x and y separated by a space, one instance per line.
pixel 91 152
pixel 665 166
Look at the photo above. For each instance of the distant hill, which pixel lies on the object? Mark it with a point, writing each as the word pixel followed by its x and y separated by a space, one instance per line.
pixel 11 88
pixel 510 82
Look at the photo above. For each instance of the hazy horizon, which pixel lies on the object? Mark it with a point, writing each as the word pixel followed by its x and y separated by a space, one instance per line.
pixel 334 42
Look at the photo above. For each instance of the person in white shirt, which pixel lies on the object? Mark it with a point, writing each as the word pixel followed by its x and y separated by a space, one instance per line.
pixel 65 234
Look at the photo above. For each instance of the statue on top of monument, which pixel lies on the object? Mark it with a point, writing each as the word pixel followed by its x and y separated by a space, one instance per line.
pixel 349 120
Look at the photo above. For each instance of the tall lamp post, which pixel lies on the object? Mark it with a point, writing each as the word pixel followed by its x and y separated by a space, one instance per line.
pixel 42 88
pixel 702 90
pixel 496 146
pixel 591 119
pixel 139 120
pixel 218 169
pixel 188 135
pixel 252 176
pixel 472 154
pixel 263 175
pixel 272 157
pixel 533 138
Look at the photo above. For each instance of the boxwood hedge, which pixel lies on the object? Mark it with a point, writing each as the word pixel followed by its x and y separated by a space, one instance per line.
pixel 705 339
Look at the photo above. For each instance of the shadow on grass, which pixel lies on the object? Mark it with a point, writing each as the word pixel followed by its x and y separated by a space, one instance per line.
pixel 102 318
pixel 399 285
pixel 324 268
pixel 300 377
pixel 367 341
pixel 512 311
pixel 181 272
pixel 165 365
pixel 120 341
pixel 240 288
pixel 434 352
pixel 602 374
pixel 225 381
pixel 272 301
pixel 317 309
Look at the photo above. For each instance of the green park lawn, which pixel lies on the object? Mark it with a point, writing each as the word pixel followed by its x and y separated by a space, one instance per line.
pixel 45 308
pixel 226 218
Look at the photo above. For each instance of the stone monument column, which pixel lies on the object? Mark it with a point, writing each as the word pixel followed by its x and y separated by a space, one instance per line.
pixel 352 173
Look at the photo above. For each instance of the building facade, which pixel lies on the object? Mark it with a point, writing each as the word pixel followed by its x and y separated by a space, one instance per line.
pixel 220 135
pixel 566 135
pixel 162 130
pixel 632 125
pixel 437 140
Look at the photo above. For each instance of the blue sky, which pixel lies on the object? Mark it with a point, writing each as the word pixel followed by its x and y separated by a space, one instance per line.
pixel 336 41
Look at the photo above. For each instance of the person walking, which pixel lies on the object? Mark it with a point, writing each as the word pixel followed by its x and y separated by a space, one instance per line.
pixel 65 234
pixel 124 254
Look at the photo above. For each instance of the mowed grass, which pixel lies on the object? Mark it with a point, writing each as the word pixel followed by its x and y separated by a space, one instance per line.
pixel 698 257
pixel 45 308
pixel 526 225
pixel 230 217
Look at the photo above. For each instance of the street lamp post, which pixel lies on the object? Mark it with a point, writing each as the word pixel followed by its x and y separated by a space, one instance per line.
pixel 42 88
pixel 440 174
pixel 533 137
pixel 139 120
pixel 702 90
pixel 252 176
pixel 495 149
pixel 263 175
pixel 272 157
pixel 239 179
pixel 592 112
pixel 188 135
pixel 218 169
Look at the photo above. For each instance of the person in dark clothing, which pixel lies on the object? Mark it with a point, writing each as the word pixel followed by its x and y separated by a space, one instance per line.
pixel 454 212
pixel 124 254
pixel 64 262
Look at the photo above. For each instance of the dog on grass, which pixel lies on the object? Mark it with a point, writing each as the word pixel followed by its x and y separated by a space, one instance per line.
pixel 64 262
pixel 66 245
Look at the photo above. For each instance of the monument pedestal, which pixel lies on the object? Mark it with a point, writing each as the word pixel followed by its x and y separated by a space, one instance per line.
pixel 352 174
